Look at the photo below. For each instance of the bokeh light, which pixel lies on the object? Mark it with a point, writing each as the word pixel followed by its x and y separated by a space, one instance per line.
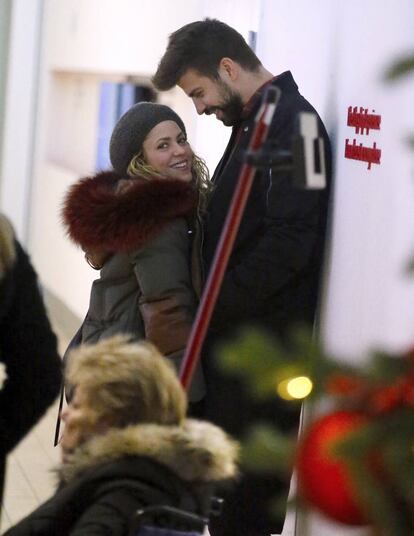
pixel 295 388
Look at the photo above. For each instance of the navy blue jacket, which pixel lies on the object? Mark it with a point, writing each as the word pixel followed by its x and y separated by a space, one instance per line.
pixel 273 273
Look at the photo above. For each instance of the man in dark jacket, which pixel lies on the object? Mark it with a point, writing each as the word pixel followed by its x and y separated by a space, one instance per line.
pixel 28 347
pixel 273 275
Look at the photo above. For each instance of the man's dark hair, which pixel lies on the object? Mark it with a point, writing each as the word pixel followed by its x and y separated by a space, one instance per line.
pixel 200 46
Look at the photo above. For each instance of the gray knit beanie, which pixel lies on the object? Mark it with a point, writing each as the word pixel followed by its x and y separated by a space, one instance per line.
pixel 132 129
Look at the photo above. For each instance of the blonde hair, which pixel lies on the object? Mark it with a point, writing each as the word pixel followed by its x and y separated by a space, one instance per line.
pixel 127 383
pixel 139 167
pixel 7 246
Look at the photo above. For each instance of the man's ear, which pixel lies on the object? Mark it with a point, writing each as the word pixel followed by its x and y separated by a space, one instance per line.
pixel 229 69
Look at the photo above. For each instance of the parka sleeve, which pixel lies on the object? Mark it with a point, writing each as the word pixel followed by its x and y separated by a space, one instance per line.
pixel 110 514
pixel 167 302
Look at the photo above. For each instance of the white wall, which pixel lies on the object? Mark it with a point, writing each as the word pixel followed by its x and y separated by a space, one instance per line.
pixel 104 36
pixel 338 53
pixel 370 302
pixel 302 37
pixel 20 112
pixel 5 14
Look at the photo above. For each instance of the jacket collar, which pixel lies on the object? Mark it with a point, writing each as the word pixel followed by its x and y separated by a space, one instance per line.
pixel 97 217
pixel 197 451
pixel 283 81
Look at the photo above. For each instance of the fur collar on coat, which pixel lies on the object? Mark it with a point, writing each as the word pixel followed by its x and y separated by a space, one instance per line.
pixel 7 248
pixel 197 451
pixel 95 216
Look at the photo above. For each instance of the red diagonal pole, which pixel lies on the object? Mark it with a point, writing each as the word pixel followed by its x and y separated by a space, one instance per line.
pixel 225 245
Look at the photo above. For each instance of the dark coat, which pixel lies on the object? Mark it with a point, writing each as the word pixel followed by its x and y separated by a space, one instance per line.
pixel 112 476
pixel 145 285
pixel 28 346
pixel 272 279
pixel 273 273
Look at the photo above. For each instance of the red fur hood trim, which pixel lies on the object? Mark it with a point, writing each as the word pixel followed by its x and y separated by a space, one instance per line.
pixel 95 216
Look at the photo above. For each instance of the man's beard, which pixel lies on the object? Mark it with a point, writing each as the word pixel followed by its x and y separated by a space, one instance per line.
pixel 231 106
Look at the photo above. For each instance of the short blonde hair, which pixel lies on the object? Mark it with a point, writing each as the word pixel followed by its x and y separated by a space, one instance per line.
pixel 127 383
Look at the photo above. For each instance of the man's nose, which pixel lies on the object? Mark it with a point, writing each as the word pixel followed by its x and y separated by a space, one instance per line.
pixel 199 106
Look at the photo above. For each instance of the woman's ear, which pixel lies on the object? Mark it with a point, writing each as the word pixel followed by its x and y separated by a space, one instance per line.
pixel 228 69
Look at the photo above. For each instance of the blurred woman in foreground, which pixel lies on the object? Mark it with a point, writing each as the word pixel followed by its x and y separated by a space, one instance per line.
pixel 127 445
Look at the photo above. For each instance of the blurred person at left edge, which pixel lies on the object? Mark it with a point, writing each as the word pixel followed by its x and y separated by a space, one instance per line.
pixel 29 359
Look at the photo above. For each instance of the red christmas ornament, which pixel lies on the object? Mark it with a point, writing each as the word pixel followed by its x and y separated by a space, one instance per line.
pixel 323 479
pixel 344 385
pixel 388 398
pixel 409 354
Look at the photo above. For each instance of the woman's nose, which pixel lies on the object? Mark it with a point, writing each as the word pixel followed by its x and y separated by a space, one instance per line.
pixel 179 148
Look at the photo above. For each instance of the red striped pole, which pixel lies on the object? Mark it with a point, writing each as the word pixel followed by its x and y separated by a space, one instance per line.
pixel 225 244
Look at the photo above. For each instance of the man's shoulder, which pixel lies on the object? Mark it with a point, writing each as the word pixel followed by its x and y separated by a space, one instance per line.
pixel 291 101
pixel 285 81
